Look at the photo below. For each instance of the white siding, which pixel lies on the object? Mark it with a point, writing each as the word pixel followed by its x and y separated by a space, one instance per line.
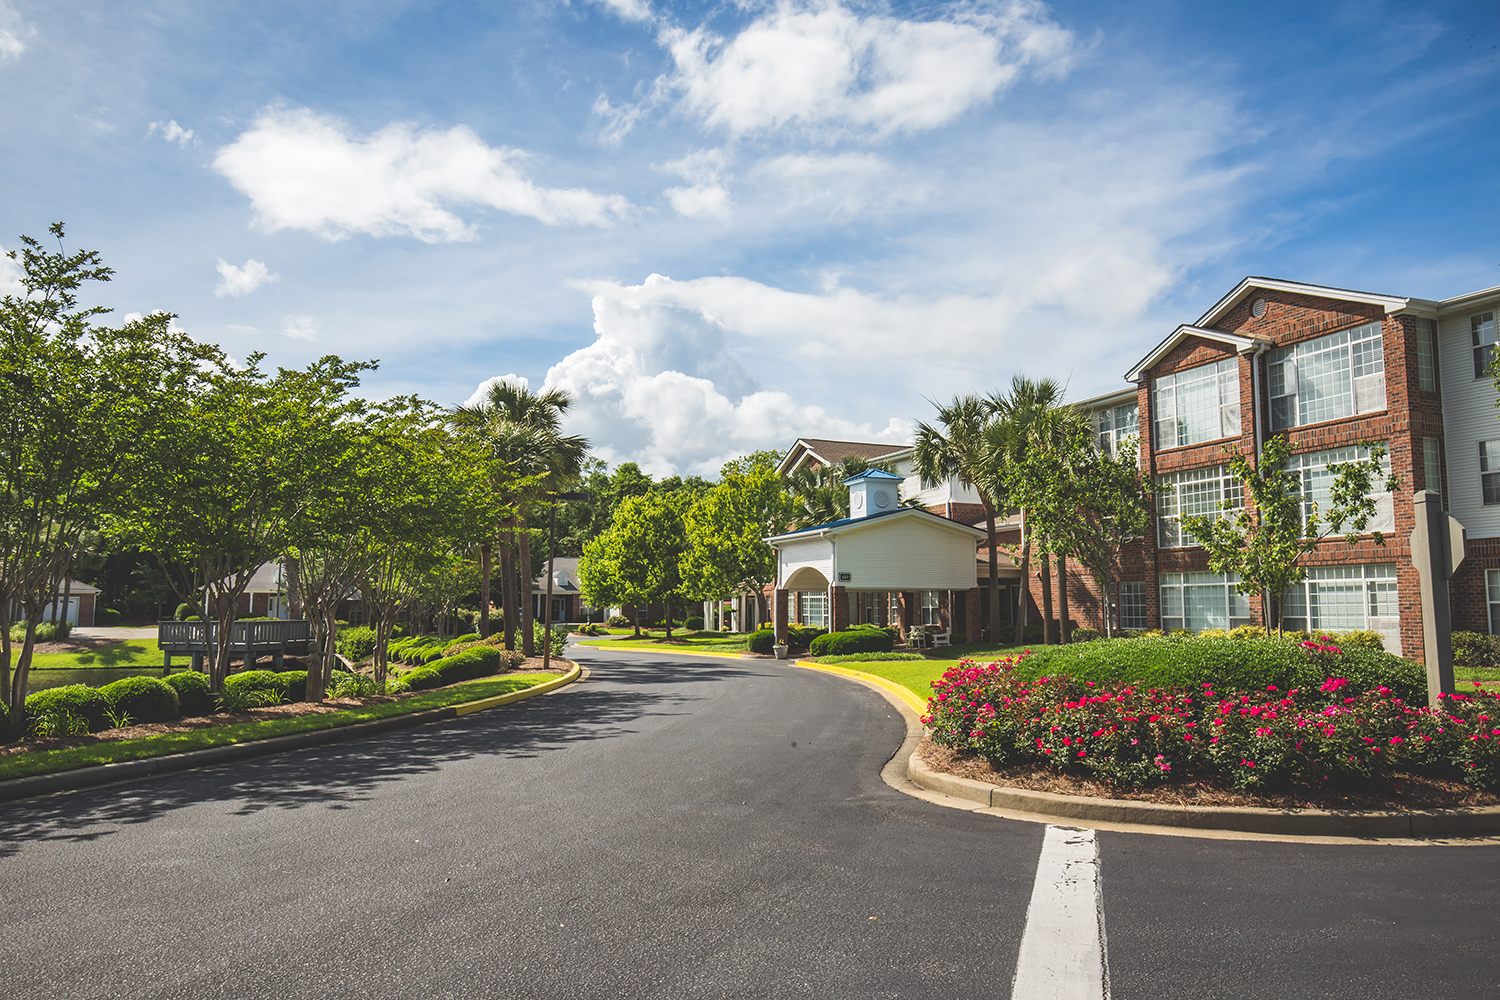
pixel 815 552
pixel 1469 416
pixel 907 554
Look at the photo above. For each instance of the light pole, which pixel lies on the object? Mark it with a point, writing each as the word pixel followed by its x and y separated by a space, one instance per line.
pixel 551 546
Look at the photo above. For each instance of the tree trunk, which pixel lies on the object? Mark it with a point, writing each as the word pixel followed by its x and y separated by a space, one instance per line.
pixel 994 588
pixel 1046 568
pixel 1025 588
pixel 295 607
pixel 60 613
pixel 668 606
pixel 4 650
pixel 486 557
pixel 523 556
pixel 19 677
pixel 508 593
pixel 1063 631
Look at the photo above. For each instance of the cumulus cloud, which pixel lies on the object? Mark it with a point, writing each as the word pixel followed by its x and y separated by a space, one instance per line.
pixel 244 279
pixel 822 66
pixel 483 392
pixel 301 170
pixel 705 196
pixel 628 10
pixel 14 32
pixel 834 186
pixel 299 328
pixel 171 132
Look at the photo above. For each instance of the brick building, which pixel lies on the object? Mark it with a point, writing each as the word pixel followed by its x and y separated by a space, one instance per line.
pixel 1330 369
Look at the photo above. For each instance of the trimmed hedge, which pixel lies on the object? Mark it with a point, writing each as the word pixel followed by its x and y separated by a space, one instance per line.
pixel 295 684
pixel 1476 650
pixel 356 643
pixel 761 642
pixel 476 661
pixel 259 680
pixel 695 624
pixel 87 703
pixel 855 640
pixel 1242 664
pixel 144 699
pixel 193 694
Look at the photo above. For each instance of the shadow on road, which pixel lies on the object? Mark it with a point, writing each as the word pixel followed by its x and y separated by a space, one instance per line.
pixel 342 774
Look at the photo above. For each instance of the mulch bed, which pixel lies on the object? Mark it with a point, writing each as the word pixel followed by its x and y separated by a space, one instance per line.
pixel 187 725
pixel 1406 791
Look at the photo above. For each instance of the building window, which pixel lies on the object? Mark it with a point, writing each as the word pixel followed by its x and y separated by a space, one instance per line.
pixel 872 608
pixel 1343 599
pixel 1427 355
pixel 1133 605
pixel 812 608
pixel 1492 588
pixel 1197 492
pixel 1432 464
pixel 1489 471
pixel 1317 484
pixel 1482 332
pixel 1200 404
pixel 1202 600
pixel 1114 425
pixel 931 612
pixel 1324 379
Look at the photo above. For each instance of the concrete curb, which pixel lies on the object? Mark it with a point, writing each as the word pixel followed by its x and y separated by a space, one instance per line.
pixel 1151 817
pixel 101 774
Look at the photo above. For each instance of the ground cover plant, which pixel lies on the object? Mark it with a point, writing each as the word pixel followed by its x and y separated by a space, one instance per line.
pixel 1133 734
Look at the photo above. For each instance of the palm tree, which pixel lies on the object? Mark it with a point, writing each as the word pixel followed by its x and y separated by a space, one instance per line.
pixel 959 451
pixel 819 495
pixel 523 431
pixel 1031 421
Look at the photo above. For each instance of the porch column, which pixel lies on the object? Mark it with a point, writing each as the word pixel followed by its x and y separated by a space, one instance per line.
pixel 838 608
pixel 971 614
pixel 779 614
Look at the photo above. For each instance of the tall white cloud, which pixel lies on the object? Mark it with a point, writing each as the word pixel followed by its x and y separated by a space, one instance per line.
pixel 244 279
pixel 825 67
pixel 301 170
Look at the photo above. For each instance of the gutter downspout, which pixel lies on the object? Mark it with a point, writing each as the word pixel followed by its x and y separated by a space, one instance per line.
pixel 1265 596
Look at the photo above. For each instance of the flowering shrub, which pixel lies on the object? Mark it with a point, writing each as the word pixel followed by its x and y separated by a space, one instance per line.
pixel 1133 736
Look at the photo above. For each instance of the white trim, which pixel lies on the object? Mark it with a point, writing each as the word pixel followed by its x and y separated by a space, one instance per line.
pixel 1392 303
pixel 875 521
pixel 1242 345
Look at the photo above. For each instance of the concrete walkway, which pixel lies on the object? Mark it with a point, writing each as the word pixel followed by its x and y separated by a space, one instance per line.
pixel 115 632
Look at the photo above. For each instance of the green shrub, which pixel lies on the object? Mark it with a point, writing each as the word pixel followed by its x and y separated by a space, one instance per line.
pixel 870 657
pixel 1360 640
pixel 183 610
pixel 1475 651
pixel 421 679
pixel 1083 635
pixel 259 680
pixel 193 694
pixel 857 640
pixel 462 640
pixel 801 636
pixel 294 683
pixel 696 624
pixel 78 700
pixel 476 661
pixel 107 617
pixel 343 684
pixel 356 644
pixel 144 699
pixel 45 632
pixel 618 621
pixel 1247 664
pixel 559 637
pixel 762 642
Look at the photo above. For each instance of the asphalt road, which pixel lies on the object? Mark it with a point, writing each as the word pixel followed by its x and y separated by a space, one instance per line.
pixel 673 828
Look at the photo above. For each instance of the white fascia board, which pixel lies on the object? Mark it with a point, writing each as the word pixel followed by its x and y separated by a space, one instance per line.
pixel 1471 299
pixel 1391 302
pixel 1244 345
pixel 1125 395
pixel 875 522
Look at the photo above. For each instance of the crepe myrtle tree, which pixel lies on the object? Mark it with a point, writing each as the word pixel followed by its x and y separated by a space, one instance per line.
pixel 1265 539
pixel 639 559
pixel 82 405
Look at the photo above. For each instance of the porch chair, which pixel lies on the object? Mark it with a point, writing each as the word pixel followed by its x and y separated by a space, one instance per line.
pixel 941 638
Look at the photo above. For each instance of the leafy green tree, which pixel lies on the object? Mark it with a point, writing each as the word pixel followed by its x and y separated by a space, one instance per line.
pixel 81 404
pixel 820 496
pixel 1264 540
pixel 639 559
pixel 725 530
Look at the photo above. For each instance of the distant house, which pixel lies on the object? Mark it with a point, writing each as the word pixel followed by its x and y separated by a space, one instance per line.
pixel 567 597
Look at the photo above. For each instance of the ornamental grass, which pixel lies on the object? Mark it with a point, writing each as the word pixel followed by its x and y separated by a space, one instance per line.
pixel 1136 736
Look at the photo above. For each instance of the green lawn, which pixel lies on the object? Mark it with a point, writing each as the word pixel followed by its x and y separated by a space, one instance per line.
pixel 49 761
pixel 131 653
pixel 709 642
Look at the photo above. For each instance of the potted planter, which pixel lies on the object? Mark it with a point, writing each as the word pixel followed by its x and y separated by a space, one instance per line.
pixel 780 649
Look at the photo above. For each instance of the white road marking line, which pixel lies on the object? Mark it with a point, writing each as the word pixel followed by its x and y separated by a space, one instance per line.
pixel 1063 955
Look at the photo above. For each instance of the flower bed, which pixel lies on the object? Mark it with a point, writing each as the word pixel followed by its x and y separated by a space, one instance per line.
pixel 1135 736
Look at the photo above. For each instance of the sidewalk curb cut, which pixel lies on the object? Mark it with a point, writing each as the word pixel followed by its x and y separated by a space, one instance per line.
pixel 101 774
pixel 1151 817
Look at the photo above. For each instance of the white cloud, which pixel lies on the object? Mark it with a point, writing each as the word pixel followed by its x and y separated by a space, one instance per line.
pixel 822 66
pixel 244 279
pixel 299 328
pixel 834 187
pixel 628 10
pixel 705 197
pixel 14 32
pixel 10 277
pixel 307 171
pixel 171 132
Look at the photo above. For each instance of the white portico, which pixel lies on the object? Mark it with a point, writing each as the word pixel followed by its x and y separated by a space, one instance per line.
pixel 883 565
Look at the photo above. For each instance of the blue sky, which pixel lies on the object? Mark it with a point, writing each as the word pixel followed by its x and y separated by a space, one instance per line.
pixel 724 225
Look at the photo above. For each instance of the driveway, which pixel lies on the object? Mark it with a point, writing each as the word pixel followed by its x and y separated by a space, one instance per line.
pixel 675 827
